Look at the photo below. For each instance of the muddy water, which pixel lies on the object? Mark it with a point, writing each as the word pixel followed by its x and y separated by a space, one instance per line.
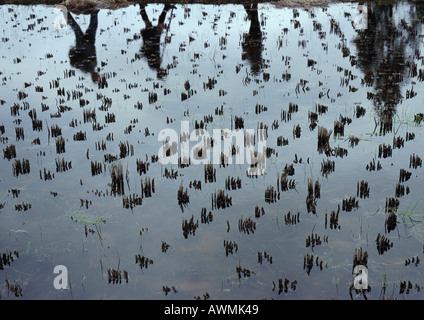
pixel 109 91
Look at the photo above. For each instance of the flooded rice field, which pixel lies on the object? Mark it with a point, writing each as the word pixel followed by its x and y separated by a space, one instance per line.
pixel 114 163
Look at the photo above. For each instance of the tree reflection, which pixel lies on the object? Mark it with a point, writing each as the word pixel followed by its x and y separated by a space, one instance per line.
pixel 382 57
pixel 83 55
pixel 252 41
pixel 151 40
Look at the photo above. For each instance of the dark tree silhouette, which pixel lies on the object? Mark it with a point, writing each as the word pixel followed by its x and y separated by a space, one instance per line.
pixel 383 56
pixel 151 40
pixel 83 55
pixel 252 41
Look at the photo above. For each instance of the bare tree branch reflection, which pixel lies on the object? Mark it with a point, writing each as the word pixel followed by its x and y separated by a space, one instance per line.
pixel 152 40
pixel 83 55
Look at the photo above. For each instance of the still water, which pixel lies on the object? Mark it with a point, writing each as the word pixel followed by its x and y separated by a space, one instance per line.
pixel 84 101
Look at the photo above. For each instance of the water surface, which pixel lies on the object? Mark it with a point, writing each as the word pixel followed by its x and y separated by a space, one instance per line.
pixel 120 85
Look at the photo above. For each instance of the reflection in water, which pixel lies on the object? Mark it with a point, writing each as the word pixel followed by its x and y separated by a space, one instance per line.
pixel 252 41
pixel 83 54
pixel 151 40
pixel 382 57
pixel 103 220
